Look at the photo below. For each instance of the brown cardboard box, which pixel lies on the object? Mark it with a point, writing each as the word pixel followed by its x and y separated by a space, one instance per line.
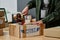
pixel 11 30
pixel 2 22
pixel 25 30
pixel 1 32
pixel 17 31
pixel 1 13
pixel 14 30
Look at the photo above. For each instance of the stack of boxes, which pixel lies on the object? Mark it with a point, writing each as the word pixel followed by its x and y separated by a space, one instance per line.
pixel 2 20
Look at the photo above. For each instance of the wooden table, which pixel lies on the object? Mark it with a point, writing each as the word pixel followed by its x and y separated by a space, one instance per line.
pixel 7 37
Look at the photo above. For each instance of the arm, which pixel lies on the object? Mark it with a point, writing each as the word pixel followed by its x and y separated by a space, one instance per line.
pixel 54 15
pixel 30 5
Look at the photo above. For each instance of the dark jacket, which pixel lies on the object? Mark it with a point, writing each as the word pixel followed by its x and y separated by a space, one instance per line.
pixel 52 17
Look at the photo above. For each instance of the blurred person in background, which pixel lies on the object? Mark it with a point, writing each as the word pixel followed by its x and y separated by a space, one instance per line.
pixel 47 12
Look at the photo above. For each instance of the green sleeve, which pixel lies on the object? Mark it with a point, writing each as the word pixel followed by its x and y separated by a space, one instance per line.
pixel 32 4
pixel 54 15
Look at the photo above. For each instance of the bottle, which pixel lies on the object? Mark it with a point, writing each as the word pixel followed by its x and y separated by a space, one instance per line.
pixel 28 19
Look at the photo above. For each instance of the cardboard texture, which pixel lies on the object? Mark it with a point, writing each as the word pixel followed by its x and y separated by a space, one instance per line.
pixel 17 31
pixel 2 22
pixel 14 30
pixel 1 32
pixel 2 13
pixel 26 30
pixel 11 30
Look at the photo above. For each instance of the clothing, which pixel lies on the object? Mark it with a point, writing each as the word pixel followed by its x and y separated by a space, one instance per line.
pixel 44 9
pixel 53 14
pixel 43 12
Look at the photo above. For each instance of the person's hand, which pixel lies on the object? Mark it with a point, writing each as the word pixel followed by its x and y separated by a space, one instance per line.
pixel 38 23
pixel 25 10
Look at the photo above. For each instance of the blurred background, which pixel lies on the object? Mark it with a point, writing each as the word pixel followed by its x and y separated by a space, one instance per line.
pixel 13 6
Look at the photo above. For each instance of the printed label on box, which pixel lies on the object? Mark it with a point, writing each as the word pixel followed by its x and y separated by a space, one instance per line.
pixel 31 30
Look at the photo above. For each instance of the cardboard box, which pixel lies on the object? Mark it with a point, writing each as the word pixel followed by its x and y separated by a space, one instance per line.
pixel 2 22
pixel 23 31
pixel 14 30
pixel 1 32
pixel 2 13
pixel 11 30
pixel 17 31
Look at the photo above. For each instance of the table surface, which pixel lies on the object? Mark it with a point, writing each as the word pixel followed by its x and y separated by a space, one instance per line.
pixel 7 37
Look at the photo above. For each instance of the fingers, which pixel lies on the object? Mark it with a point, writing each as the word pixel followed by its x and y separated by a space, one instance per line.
pixel 25 10
pixel 34 23
pixel 37 23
